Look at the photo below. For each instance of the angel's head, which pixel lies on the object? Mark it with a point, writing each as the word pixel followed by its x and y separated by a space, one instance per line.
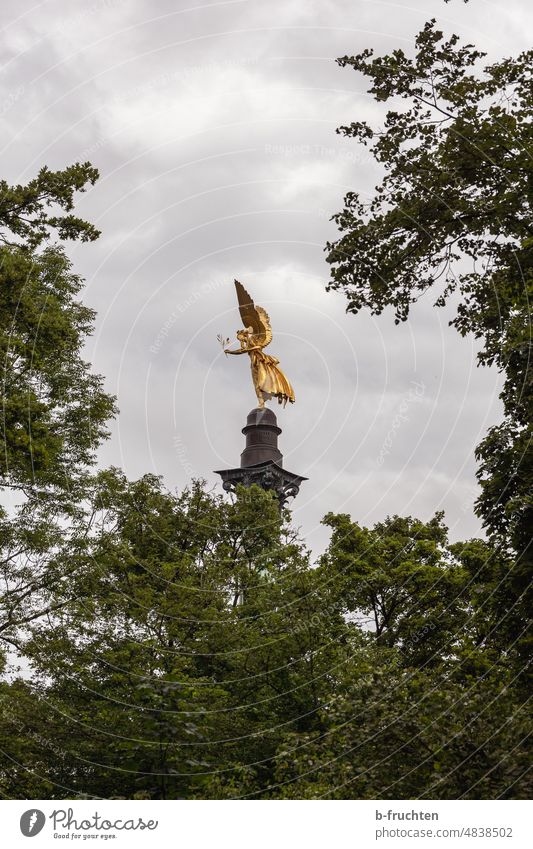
pixel 245 336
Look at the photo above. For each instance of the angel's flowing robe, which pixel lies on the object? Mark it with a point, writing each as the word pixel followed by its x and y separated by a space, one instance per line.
pixel 269 379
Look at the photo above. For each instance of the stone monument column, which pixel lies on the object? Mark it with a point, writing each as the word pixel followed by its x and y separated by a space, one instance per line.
pixel 261 459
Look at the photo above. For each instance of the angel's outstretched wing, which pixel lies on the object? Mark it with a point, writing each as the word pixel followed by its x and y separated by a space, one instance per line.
pixel 255 317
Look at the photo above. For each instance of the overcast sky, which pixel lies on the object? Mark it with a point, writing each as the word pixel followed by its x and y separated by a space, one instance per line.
pixel 213 127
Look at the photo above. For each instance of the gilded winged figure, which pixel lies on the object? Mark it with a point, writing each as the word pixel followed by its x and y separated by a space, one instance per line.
pixel 268 379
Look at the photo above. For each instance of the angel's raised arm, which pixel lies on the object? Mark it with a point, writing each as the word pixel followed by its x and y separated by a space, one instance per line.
pixel 243 350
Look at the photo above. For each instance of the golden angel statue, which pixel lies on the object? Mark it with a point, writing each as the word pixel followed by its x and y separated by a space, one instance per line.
pixel 269 380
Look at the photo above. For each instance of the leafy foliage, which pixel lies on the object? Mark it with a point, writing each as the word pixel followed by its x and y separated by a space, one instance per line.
pixel 456 164
pixel 24 210
pixel 195 653
pixel 54 410
pixel 457 186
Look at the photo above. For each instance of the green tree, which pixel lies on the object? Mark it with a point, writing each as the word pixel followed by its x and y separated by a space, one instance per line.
pixel 397 733
pixel 423 702
pixel 183 643
pixel 194 653
pixel 25 210
pixel 456 186
pixel 457 170
pixel 53 410
pixel 398 580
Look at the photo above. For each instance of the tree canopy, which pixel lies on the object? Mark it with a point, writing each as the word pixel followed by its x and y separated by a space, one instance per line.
pixel 54 410
pixel 452 214
pixel 197 654
pixel 457 178
pixel 27 212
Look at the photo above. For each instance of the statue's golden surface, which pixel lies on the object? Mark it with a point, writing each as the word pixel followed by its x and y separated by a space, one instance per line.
pixel 268 379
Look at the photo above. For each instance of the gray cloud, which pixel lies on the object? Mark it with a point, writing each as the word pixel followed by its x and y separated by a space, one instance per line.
pixel 213 128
